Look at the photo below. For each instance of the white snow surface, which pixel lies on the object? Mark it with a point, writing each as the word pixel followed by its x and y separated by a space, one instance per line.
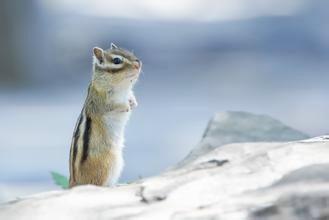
pixel 233 181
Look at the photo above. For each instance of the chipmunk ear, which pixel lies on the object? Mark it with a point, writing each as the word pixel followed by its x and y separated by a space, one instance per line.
pixel 113 46
pixel 99 54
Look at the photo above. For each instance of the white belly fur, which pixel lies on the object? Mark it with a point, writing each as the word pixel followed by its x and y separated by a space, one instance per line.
pixel 116 123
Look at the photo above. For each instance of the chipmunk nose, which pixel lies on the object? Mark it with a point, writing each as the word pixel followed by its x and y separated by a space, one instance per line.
pixel 137 64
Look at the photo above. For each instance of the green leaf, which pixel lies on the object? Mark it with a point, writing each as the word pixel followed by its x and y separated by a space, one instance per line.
pixel 60 180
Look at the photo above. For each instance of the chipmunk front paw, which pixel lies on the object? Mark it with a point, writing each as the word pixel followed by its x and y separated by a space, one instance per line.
pixel 133 102
pixel 121 108
pixel 126 108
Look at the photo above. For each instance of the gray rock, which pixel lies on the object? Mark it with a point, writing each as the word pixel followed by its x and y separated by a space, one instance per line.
pixel 310 202
pixel 239 127
pixel 306 206
pixel 313 173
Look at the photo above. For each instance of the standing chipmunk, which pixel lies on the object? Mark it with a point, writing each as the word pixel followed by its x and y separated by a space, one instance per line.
pixel 96 149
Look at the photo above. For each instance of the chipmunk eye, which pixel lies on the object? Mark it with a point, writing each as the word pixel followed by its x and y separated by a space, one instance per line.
pixel 117 60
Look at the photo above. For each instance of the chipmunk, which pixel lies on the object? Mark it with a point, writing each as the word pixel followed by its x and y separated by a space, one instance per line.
pixel 98 138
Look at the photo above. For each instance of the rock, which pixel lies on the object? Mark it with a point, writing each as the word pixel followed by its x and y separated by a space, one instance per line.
pixel 309 174
pixel 260 180
pixel 236 127
pixel 311 201
pixel 309 205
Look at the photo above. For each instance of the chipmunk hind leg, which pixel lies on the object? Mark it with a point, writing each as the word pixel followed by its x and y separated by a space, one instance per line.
pixel 102 170
pixel 116 167
pixel 94 170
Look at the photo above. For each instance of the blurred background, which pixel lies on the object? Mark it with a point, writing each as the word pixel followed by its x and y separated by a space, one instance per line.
pixel 199 57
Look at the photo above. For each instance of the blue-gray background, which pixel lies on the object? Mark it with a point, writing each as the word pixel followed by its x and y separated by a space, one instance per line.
pixel 199 56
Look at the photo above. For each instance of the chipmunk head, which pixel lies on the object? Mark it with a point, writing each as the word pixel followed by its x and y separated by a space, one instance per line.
pixel 115 67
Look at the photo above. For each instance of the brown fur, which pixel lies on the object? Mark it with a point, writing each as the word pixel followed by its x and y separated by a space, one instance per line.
pixel 95 169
